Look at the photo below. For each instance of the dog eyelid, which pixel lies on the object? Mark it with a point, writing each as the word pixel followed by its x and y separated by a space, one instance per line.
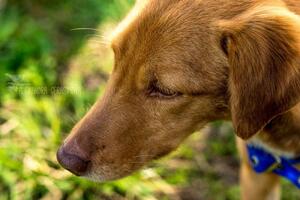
pixel 156 90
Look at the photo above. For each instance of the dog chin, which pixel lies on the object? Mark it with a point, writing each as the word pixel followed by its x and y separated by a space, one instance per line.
pixel 101 176
pixel 96 178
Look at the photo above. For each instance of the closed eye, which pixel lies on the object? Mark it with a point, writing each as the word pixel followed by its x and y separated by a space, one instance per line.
pixel 159 91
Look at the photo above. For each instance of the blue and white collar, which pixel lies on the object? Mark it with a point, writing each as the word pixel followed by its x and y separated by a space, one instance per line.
pixel 264 161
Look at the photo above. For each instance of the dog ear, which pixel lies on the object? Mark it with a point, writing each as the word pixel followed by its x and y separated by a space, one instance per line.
pixel 263 51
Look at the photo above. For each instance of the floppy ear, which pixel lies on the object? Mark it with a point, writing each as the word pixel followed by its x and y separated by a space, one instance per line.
pixel 263 50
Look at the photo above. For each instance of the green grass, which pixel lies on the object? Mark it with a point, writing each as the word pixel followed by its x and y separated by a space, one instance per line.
pixel 50 76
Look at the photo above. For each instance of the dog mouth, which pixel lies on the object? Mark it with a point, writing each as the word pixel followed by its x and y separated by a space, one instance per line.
pixel 104 173
pixel 100 167
pixel 101 173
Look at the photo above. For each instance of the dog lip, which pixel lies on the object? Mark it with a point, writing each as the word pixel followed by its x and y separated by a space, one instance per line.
pixel 76 165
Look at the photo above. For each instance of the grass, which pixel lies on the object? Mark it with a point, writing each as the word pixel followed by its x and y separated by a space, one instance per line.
pixel 52 69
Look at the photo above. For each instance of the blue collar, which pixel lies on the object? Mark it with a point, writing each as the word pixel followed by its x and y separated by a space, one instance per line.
pixel 264 161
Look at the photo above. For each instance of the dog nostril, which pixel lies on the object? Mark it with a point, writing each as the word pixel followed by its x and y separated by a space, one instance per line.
pixel 73 163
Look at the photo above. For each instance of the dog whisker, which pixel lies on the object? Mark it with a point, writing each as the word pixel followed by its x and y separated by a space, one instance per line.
pixel 142 156
pixel 84 29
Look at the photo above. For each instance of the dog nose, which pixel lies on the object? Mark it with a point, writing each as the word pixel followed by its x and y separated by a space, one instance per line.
pixel 71 162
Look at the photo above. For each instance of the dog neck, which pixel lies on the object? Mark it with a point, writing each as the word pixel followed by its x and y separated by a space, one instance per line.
pixel 282 133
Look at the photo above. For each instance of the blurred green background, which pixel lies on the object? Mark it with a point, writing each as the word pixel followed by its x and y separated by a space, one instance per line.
pixel 54 63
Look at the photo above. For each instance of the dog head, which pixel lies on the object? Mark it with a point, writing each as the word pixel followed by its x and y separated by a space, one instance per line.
pixel 178 67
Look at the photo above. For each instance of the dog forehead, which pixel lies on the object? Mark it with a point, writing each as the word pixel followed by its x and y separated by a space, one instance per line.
pixel 154 19
pixel 164 37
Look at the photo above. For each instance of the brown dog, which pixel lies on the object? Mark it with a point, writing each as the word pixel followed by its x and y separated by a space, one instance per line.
pixel 180 64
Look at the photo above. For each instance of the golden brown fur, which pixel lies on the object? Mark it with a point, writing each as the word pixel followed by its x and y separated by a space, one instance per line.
pixel 180 64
